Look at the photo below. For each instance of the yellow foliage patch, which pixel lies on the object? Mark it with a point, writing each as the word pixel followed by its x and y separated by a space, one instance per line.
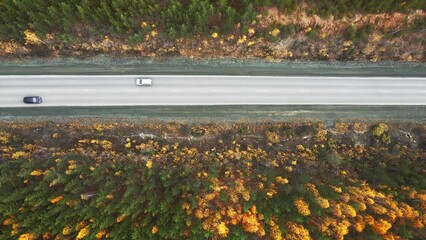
pixel 83 233
pixel 31 37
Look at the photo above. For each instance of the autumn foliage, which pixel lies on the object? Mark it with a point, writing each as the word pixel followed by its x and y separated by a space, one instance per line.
pixel 375 30
pixel 147 180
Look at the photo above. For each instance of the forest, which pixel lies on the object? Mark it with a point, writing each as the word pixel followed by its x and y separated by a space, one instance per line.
pixel 273 30
pixel 174 18
pixel 133 179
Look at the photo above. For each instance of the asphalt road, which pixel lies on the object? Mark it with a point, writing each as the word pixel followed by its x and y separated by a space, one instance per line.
pixel 116 90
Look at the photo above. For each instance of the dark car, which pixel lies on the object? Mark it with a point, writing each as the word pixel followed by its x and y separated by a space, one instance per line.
pixel 33 100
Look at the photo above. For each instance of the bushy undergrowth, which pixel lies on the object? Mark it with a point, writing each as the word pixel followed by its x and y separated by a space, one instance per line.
pixel 195 181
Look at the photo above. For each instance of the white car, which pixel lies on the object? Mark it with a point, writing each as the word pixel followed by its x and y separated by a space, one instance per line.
pixel 143 81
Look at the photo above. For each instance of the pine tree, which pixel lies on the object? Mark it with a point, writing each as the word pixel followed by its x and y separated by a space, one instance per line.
pixel 229 21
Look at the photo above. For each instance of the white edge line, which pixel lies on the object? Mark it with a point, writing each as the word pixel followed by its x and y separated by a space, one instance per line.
pixel 209 76
pixel 227 104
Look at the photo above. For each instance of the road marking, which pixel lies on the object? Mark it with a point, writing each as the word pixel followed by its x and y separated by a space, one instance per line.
pixel 233 89
pixel 344 90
